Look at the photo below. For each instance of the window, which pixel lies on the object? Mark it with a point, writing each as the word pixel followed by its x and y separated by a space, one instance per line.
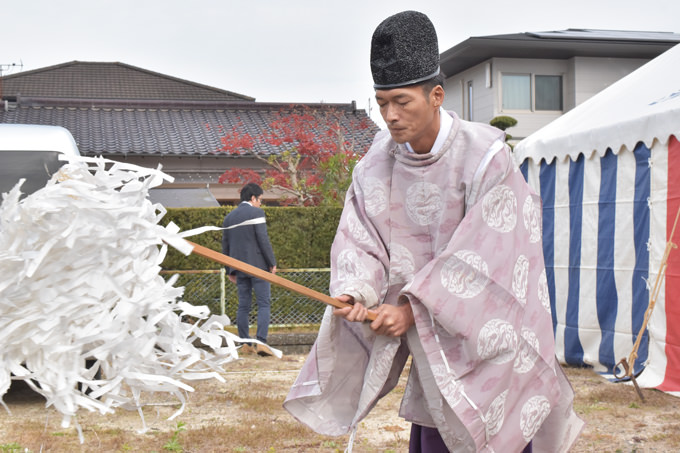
pixel 516 92
pixel 548 92
pixel 531 92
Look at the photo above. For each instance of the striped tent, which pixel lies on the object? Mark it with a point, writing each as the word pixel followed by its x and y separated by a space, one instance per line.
pixel 608 172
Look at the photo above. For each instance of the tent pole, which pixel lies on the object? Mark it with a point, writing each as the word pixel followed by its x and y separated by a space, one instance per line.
pixel 629 364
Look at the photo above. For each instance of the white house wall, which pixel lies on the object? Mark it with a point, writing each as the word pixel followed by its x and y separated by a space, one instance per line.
pixel 582 77
pixel 593 75
pixel 456 98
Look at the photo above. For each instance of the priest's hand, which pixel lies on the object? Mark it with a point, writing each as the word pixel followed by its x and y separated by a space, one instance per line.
pixel 392 320
pixel 356 312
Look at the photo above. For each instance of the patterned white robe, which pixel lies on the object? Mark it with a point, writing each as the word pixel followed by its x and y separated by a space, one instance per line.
pixel 458 233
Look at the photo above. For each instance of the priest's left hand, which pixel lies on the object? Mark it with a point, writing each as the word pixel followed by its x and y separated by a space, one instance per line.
pixel 393 320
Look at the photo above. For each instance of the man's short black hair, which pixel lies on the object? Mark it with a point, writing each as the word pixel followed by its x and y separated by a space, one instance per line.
pixel 435 81
pixel 250 190
pixel 429 84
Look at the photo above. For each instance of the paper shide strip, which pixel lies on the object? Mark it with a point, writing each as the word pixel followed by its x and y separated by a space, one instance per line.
pixel 86 319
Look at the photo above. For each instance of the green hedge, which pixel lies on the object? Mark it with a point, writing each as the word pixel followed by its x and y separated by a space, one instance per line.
pixel 301 237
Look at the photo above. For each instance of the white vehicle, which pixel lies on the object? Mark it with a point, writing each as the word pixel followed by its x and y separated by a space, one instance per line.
pixel 32 152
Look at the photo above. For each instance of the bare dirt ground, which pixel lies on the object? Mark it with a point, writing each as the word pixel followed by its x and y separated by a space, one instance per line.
pixel 245 415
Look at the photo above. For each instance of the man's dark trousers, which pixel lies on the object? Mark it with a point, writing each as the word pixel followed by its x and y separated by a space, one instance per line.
pixel 245 286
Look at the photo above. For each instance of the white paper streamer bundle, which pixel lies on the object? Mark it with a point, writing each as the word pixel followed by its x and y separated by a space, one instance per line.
pixel 79 281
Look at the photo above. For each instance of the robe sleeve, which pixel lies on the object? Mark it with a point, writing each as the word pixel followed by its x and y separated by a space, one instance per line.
pixel 359 257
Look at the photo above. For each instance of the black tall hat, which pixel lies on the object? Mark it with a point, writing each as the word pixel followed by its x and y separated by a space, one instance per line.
pixel 404 51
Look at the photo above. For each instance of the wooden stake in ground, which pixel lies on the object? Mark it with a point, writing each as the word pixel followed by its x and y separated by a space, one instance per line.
pixel 630 363
pixel 268 276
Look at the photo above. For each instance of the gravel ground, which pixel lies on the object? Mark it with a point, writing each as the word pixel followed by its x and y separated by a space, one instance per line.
pixel 616 419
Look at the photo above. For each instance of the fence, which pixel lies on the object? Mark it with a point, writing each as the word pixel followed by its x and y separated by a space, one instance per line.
pixel 212 288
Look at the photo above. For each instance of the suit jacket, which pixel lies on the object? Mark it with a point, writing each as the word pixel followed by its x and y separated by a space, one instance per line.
pixel 245 238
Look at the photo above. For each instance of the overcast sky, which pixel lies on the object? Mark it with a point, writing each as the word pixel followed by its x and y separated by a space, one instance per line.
pixel 285 50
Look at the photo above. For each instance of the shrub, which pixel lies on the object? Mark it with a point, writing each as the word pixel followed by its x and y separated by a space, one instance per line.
pixel 301 236
pixel 503 122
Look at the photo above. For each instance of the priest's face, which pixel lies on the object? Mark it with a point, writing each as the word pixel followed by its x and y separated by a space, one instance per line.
pixel 412 115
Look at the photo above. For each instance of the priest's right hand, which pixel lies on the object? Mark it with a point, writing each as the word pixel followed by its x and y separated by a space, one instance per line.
pixel 356 312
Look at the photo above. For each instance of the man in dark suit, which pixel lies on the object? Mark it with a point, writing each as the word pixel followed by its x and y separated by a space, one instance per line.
pixel 245 238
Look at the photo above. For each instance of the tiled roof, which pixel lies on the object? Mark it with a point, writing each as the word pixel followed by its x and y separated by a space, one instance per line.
pixel 92 80
pixel 166 128
pixel 117 109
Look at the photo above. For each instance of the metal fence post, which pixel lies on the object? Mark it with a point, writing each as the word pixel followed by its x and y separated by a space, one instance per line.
pixel 223 290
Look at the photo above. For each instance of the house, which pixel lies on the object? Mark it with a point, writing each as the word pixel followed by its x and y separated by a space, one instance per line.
pixel 537 77
pixel 138 116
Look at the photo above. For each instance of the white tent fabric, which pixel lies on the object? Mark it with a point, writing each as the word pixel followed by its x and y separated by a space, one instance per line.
pixel 608 172
pixel 641 107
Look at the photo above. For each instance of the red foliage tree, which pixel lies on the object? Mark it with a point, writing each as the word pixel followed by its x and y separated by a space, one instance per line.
pixel 309 155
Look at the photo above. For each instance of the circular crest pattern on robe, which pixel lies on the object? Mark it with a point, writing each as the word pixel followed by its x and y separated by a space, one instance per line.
pixel 465 274
pixel 499 209
pixel 376 194
pixel 531 213
pixel 424 203
pixel 497 342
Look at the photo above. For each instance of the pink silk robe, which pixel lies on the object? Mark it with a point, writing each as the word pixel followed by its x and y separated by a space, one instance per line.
pixel 458 234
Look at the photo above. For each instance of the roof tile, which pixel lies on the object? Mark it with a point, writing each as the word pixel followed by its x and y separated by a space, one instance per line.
pixel 167 131
pixel 93 80
pixel 117 109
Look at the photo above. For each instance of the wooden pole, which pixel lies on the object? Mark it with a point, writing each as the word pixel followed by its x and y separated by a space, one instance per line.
pixel 269 277
pixel 630 363
pixel 670 245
